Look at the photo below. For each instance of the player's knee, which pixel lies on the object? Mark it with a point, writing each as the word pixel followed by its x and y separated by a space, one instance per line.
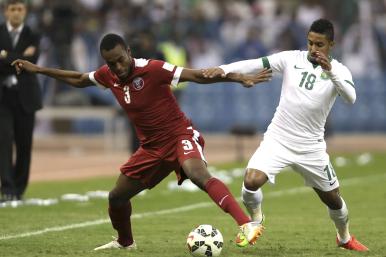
pixel 200 178
pixel 251 184
pixel 200 182
pixel 335 203
pixel 116 199
pixel 253 180
pixel 332 199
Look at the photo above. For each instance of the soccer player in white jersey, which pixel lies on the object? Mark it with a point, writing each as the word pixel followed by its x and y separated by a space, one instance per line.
pixel 311 82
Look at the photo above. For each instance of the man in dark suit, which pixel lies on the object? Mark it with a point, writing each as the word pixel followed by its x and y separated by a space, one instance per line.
pixel 20 98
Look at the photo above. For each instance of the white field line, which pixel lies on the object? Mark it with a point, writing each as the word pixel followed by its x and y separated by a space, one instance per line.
pixel 292 191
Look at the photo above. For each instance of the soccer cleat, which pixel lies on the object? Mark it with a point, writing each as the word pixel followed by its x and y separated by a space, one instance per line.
pixel 249 233
pixel 115 245
pixel 353 244
pixel 241 240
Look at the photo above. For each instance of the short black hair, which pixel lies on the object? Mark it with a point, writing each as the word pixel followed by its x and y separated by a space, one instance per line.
pixel 323 26
pixel 110 41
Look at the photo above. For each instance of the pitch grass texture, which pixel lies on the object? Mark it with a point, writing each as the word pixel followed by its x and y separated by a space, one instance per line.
pixel 297 224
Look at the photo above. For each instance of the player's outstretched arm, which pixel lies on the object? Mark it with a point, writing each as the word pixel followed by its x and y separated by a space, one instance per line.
pixel 215 72
pixel 250 66
pixel 74 78
pixel 247 80
pixel 251 79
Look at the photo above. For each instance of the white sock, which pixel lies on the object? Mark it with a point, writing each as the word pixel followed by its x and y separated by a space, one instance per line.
pixel 252 201
pixel 340 218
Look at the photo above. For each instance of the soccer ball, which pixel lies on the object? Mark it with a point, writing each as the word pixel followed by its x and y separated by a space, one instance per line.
pixel 205 240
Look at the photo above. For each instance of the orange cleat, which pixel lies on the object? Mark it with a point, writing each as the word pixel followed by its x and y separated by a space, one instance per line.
pixel 353 244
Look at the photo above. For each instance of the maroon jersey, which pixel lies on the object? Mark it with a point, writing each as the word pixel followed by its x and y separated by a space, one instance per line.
pixel 147 98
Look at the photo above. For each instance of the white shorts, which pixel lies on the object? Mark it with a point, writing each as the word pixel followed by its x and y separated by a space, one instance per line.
pixel 314 165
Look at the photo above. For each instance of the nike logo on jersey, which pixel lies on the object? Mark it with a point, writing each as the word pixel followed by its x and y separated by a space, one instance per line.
pixel 332 183
pixel 188 152
pixel 298 68
pixel 222 200
pixel 116 85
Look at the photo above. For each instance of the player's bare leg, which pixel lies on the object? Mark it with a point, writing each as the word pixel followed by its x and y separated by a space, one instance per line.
pixel 120 212
pixel 339 214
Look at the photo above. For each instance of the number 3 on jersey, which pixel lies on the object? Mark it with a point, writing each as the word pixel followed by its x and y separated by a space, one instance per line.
pixel 187 145
pixel 127 94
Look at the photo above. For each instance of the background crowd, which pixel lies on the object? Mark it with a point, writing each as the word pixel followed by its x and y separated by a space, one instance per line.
pixel 204 33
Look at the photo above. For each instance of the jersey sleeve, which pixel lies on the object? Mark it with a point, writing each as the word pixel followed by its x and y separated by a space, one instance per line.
pixel 100 77
pixel 341 77
pixel 167 73
pixel 276 62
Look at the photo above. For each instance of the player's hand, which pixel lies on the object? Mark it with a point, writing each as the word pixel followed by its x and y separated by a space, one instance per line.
pixel 21 65
pixel 323 61
pixel 215 72
pixel 262 76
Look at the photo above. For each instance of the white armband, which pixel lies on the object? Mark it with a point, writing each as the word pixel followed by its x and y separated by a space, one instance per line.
pixel 91 76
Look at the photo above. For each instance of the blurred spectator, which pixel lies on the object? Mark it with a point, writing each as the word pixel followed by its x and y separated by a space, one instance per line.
pixel 61 33
pixel 209 32
pixel 175 53
pixel 234 28
pixel 145 46
pixel 204 53
pixel 292 36
pixel 20 98
pixel 360 52
pixel 344 12
pixel 62 30
pixel 204 20
pixel 380 31
pixel 308 11
pixel 252 48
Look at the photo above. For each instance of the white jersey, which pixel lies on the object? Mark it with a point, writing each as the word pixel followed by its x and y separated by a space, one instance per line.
pixel 307 95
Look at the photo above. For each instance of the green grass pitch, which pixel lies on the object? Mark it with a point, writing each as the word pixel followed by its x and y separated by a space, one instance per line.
pixel 297 224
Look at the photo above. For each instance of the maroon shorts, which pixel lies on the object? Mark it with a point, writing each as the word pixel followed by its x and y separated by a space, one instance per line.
pixel 152 164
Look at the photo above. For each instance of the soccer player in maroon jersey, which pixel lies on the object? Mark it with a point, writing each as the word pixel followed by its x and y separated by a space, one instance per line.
pixel 169 142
